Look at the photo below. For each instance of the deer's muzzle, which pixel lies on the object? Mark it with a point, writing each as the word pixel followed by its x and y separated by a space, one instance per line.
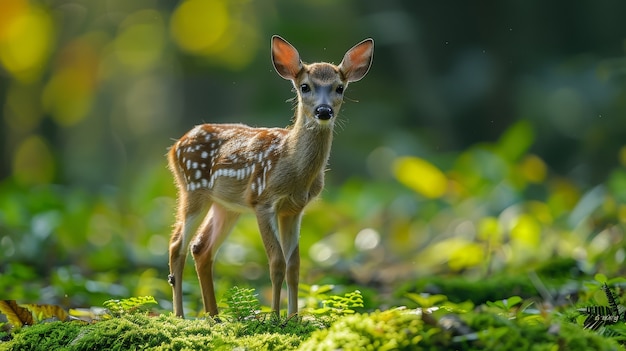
pixel 324 112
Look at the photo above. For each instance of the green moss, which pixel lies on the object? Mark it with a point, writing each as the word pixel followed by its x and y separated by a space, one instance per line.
pixel 482 328
pixel 140 331
pixel 497 332
pixel 388 330
pixel 273 325
pixel 45 336
pixel 405 330
pixel 124 333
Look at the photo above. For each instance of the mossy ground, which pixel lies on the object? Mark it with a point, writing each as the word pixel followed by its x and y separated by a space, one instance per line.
pixel 447 318
pixel 140 331
pixel 396 329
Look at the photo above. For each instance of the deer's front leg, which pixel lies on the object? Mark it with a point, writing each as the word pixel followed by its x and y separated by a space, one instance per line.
pixel 268 226
pixel 290 243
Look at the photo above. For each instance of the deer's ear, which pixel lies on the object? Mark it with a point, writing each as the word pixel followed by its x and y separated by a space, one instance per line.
pixel 357 61
pixel 285 58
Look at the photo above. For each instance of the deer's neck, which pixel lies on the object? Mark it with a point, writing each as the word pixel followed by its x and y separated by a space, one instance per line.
pixel 309 146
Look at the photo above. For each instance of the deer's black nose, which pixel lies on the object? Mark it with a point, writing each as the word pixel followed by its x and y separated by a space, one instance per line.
pixel 324 112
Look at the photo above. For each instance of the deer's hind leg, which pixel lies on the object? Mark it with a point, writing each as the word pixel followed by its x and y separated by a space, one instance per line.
pixel 188 217
pixel 216 226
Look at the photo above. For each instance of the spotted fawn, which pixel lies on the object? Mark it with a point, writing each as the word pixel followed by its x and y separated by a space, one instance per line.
pixel 223 170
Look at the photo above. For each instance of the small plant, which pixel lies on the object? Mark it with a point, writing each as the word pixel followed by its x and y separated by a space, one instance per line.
pixel 342 305
pixel 598 316
pixel 331 305
pixel 426 301
pixel 241 303
pixel 128 306
pixel 512 307
pixel 313 295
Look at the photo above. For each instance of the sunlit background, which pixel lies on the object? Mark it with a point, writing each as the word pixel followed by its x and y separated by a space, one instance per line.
pixel 487 136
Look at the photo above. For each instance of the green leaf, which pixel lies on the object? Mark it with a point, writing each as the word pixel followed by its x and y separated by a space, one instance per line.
pixel 426 301
pixel 241 303
pixel 129 305
pixel 516 141
pixel 600 278
pixel 512 301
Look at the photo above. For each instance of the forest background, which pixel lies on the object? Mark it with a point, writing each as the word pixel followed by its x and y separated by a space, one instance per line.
pixel 488 137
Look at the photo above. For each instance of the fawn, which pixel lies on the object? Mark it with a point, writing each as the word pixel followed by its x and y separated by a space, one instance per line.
pixel 223 170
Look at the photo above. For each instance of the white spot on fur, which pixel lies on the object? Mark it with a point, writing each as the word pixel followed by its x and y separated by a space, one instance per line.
pixel 196 132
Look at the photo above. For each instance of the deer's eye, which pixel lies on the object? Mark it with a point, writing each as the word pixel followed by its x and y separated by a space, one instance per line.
pixel 339 89
pixel 305 88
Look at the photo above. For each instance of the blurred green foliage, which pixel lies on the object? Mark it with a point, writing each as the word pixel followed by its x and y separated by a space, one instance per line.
pixel 487 139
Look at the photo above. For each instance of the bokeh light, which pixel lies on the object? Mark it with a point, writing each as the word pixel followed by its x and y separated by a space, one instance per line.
pixel 27 33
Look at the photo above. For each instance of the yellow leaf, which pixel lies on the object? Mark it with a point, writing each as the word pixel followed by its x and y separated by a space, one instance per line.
pixel 421 176
pixel 200 25
pixel 33 162
pixel 526 231
pixel 16 315
pixel 533 169
pixel 469 255
pixel 459 253
pixel 26 40
pixel 541 211
pixel 43 312
pixel 489 230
